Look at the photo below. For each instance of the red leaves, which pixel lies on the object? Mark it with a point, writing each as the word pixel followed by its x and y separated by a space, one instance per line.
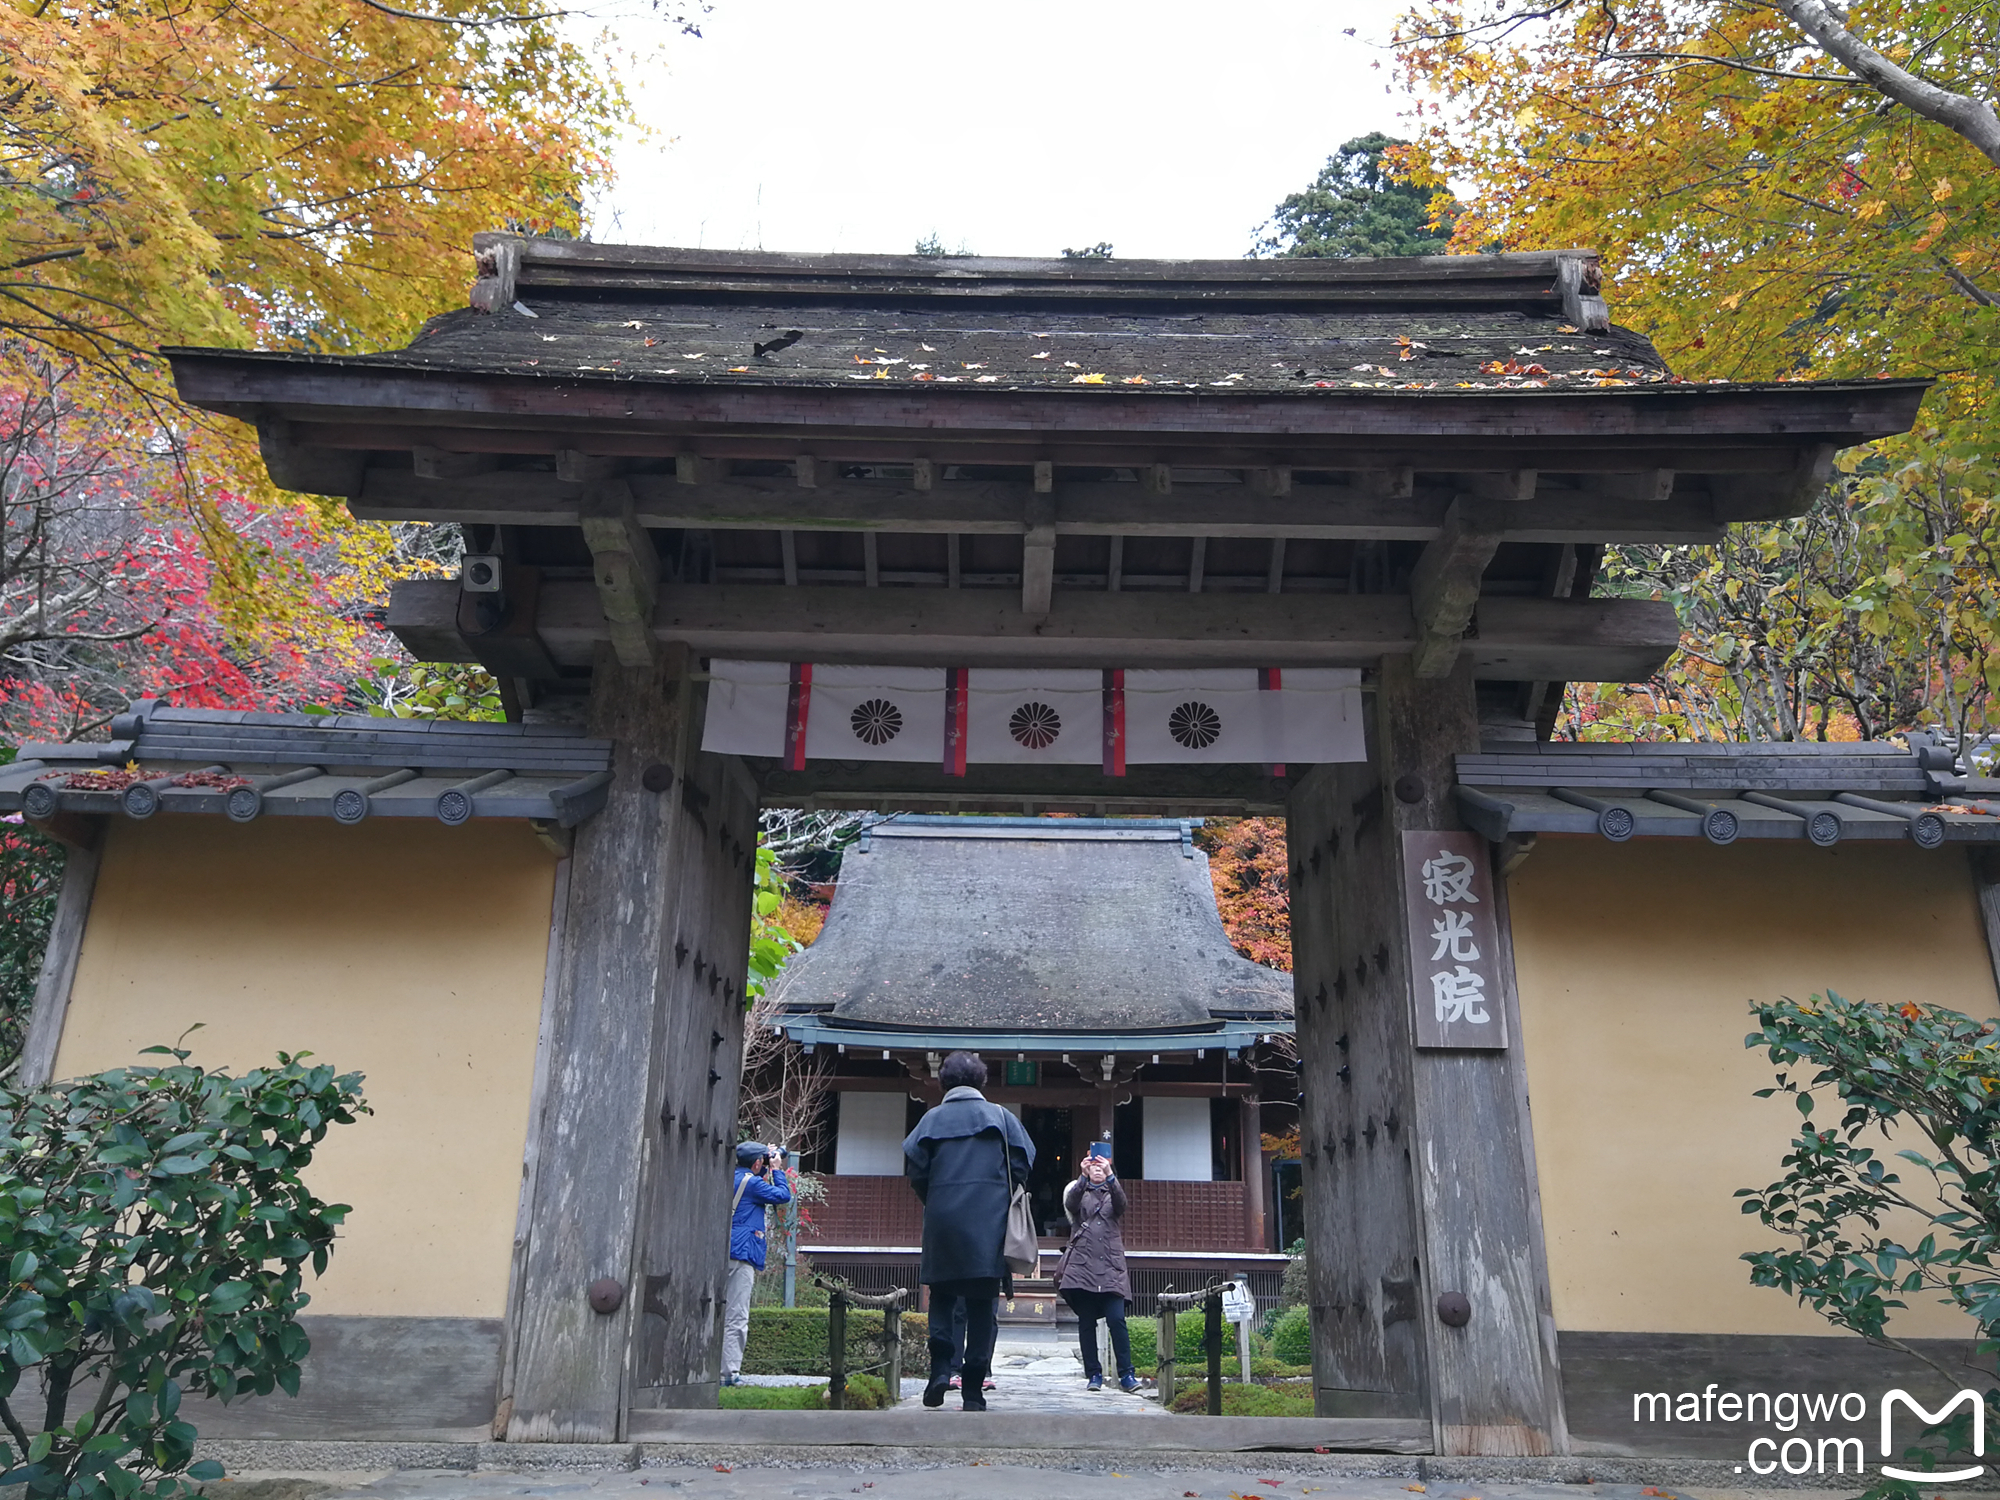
pixel 1247 865
pixel 1511 367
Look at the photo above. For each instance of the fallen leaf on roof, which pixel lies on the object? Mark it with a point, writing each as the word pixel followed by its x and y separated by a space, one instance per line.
pixel 1135 380
pixel 919 367
pixel 702 355
pixel 724 1469
pixel 548 338
pixel 1567 328
pixel 948 379
pixel 927 348
pixel 635 323
pixel 1038 335
pixel 1043 355
pixel 984 379
pixel 1086 380
pixel 922 375
pixel 880 374
pixel 1600 351
pixel 964 366
pixel 1416 1489
pixel 1408 353
pixel 881 351
pixel 739 369
pixel 650 343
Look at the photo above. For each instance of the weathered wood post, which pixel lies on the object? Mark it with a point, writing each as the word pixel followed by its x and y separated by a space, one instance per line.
pixel 1163 1355
pixel 1418 1162
pixel 1211 1342
pixel 892 1343
pixel 618 1298
pixel 836 1349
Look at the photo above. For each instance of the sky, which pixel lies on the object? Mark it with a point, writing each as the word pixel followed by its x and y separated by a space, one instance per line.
pixel 1166 128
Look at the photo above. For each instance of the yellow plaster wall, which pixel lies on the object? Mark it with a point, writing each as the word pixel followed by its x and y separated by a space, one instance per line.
pixel 406 950
pixel 1637 964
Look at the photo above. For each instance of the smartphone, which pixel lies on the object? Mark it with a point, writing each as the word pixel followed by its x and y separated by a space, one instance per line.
pixel 1101 1148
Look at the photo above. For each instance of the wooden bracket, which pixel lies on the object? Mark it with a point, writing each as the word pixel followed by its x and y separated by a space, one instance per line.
pixel 1038 556
pixel 1444 587
pixel 574 466
pixel 74 830
pixel 499 272
pixel 689 469
pixel 626 569
pixel 511 646
pixel 1578 279
pixel 923 474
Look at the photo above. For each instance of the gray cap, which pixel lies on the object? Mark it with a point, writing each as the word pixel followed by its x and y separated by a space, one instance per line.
pixel 748 1153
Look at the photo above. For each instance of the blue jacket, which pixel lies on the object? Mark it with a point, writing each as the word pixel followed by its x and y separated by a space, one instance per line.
pixel 746 1227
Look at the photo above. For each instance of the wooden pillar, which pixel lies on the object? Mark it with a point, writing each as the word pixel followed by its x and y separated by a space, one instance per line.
pixel 58 972
pixel 1419 1178
pixel 1252 1129
pixel 570 1362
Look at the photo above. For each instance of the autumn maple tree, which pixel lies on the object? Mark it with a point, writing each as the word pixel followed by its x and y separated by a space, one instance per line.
pixel 306 175
pixel 1781 191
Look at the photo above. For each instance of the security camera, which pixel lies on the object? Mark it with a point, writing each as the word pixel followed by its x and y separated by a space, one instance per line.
pixel 479 573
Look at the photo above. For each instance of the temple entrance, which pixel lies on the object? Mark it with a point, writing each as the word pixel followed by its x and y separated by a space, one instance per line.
pixel 1150 589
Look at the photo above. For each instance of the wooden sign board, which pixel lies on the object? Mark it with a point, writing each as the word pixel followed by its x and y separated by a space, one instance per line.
pixel 1454 941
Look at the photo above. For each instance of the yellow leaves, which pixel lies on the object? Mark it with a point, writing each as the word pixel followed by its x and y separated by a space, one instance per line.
pixel 1135 380
pixel 1941 190
pixel 1086 380
pixel 1874 208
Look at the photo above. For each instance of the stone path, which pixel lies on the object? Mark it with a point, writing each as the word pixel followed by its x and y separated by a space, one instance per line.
pixel 1043 1375
pixel 979 1480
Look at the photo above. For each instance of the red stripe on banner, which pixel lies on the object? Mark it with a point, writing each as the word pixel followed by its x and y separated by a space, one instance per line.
pixel 798 709
pixel 1272 680
pixel 1114 721
pixel 956 694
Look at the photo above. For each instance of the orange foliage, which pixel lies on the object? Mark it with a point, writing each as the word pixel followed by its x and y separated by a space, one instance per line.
pixel 1247 863
pixel 799 920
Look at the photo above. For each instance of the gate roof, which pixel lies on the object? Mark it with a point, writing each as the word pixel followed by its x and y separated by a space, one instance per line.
pixel 1032 932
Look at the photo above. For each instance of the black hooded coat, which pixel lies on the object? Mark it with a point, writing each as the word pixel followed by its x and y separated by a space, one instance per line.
pixel 956 1165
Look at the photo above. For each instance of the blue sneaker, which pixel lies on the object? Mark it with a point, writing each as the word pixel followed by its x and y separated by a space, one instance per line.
pixel 1129 1385
pixel 1096 1383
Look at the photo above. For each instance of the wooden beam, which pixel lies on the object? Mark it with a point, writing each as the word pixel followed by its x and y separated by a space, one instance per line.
pixel 1114 575
pixel 1444 587
pixel 626 569
pixel 59 959
pixel 1038 555
pixel 1197 564
pixel 871 559
pixel 439 465
pixel 788 551
pixel 951 563
pixel 1756 498
pixel 1275 581
pixel 1595 640
pixel 1593 512
pixel 305 468
pixel 925 782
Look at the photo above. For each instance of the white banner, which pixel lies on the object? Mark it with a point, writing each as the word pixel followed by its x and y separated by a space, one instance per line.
pixel 1052 716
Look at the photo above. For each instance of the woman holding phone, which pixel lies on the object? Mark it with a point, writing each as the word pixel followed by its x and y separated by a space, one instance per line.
pixel 1092 1276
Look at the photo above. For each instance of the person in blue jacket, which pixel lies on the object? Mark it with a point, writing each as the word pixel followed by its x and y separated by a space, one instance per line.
pixel 760 1182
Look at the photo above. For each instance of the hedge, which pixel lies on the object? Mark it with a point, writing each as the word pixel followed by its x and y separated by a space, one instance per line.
pixel 792 1341
pixel 1292 1338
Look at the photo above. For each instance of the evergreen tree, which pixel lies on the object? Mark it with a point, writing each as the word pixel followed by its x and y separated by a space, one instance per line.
pixel 1356 206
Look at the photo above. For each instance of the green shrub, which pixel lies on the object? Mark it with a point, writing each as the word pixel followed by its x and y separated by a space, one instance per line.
pixel 792 1341
pixel 1292 1337
pixel 864 1393
pixel 771 1398
pixel 157 1233
pixel 1145 1334
pixel 1296 1289
pixel 1246 1400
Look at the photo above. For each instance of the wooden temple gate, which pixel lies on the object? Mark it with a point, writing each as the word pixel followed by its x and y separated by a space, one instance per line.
pixel 663 458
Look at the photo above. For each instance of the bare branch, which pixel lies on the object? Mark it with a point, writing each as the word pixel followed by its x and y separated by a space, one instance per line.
pixel 1972 118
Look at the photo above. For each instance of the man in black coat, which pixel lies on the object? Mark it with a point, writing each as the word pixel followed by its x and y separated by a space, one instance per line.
pixel 962 1157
